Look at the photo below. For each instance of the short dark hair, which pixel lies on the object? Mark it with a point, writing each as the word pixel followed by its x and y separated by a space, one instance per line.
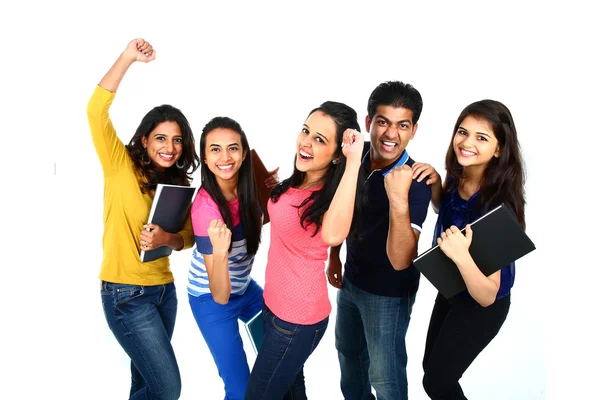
pixel 396 94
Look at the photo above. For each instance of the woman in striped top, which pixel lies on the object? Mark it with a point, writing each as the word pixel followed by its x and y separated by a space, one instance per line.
pixel 226 218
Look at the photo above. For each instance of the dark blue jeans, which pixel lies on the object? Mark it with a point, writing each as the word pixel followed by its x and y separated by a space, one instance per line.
pixel 278 369
pixel 142 318
pixel 370 333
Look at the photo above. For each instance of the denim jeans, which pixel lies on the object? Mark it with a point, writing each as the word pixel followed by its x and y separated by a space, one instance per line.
pixel 370 333
pixel 278 369
pixel 142 319
pixel 219 326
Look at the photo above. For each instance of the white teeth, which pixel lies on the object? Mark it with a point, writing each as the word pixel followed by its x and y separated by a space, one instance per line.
pixel 165 155
pixel 303 154
pixel 389 144
pixel 467 153
pixel 225 167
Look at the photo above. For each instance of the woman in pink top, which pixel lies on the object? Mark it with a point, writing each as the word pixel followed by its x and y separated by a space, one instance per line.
pixel 310 211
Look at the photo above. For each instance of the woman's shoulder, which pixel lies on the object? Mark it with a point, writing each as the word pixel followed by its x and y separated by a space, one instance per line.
pixel 203 200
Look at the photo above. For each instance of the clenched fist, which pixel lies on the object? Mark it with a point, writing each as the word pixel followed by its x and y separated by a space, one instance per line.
pixel 220 237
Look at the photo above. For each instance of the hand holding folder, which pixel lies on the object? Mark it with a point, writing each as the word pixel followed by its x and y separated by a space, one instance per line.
pixel 170 207
pixel 498 240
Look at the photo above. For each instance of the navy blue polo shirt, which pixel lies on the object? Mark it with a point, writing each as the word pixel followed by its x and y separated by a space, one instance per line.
pixel 367 264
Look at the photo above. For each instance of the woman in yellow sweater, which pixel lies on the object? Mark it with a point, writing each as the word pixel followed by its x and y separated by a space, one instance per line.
pixel 139 299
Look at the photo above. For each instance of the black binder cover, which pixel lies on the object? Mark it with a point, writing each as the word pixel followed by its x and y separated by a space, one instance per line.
pixel 498 240
pixel 169 208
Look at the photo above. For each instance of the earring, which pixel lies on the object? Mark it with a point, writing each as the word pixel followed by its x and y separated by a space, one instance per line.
pixel 146 160
pixel 180 166
pixel 335 161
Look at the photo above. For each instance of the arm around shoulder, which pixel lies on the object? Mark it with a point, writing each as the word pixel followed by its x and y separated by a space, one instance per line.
pixel 425 171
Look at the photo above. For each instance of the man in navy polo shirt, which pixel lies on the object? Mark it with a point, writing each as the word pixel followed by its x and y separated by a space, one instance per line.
pixel 380 283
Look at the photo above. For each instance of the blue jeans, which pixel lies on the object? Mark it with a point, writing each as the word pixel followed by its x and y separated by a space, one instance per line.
pixel 370 333
pixel 278 369
pixel 142 318
pixel 219 326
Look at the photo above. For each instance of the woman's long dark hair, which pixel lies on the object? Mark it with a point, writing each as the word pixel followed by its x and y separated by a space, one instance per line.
pixel 503 180
pixel 173 175
pixel 247 190
pixel 319 201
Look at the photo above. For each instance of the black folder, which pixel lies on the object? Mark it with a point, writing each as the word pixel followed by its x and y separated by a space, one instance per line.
pixel 169 209
pixel 498 240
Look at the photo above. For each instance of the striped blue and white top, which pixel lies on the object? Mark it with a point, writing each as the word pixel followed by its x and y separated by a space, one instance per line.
pixel 204 210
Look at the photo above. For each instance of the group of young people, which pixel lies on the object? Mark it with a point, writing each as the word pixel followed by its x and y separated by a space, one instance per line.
pixel 370 195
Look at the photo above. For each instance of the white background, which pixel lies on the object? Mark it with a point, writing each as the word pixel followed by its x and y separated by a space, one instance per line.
pixel 266 65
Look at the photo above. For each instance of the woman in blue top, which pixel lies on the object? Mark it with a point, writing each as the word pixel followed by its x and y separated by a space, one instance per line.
pixel 226 218
pixel 484 168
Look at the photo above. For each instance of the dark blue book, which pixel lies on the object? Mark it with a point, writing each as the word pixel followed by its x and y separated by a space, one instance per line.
pixel 256 330
pixel 170 207
pixel 498 240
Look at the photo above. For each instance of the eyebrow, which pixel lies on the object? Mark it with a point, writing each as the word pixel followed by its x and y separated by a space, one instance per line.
pixel 388 121
pixel 318 133
pixel 479 133
pixel 164 134
pixel 230 144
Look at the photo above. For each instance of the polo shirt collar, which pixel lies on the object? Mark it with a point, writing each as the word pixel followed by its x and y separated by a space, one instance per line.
pixel 384 171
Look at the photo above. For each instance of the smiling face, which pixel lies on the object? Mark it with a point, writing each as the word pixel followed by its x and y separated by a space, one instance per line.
pixel 224 154
pixel 475 143
pixel 164 145
pixel 391 128
pixel 316 145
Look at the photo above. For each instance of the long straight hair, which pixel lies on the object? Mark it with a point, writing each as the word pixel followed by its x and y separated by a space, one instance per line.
pixel 503 179
pixel 247 190
pixel 319 201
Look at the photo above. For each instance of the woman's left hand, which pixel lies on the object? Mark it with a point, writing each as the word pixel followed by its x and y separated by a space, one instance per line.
pixel 352 144
pixel 153 237
pixel 454 244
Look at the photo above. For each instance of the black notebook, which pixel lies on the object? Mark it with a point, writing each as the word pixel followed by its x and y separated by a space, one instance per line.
pixel 169 208
pixel 498 240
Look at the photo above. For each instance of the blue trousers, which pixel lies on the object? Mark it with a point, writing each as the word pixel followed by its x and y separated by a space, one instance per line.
pixel 278 369
pixel 219 326
pixel 142 318
pixel 370 333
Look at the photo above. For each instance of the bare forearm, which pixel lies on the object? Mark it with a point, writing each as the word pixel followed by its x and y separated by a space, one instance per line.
pixel 175 241
pixel 482 288
pixel 219 281
pixel 436 196
pixel 401 241
pixel 115 74
pixel 338 219
pixel 334 252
